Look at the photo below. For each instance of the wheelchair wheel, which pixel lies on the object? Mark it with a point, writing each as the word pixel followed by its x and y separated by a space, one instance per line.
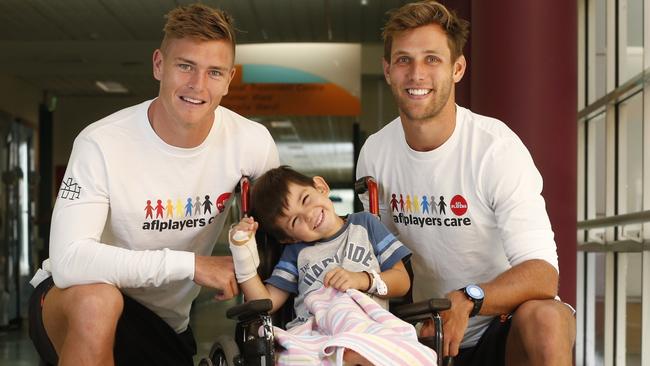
pixel 205 362
pixel 224 352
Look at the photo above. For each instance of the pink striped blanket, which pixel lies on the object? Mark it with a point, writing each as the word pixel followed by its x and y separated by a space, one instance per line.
pixel 350 320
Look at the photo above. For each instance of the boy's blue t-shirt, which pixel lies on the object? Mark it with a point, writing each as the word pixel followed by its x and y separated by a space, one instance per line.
pixel 362 244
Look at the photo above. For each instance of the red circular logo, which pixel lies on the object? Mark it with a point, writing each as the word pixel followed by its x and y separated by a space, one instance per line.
pixel 221 201
pixel 458 205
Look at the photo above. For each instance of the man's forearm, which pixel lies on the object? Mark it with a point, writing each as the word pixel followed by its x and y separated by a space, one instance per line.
pixel 532 279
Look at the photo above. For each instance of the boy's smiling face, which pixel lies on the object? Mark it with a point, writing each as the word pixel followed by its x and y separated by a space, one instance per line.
pixel 309 215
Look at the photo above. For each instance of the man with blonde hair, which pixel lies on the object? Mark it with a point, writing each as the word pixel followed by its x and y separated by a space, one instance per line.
pixel 118 286
pixel 489 248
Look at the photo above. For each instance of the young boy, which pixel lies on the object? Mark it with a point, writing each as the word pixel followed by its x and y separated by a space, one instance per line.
pixel 322 248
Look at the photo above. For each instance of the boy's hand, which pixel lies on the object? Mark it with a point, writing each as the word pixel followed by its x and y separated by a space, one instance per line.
pixel 244 249
pixel 343 280
pixel 242 231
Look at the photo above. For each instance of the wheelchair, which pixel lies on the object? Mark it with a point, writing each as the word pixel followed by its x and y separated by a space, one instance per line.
pixel 253 343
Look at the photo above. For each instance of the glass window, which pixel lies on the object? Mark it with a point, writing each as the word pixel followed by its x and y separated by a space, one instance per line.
pixel 596 167
pixel 630 155
pixel 597 46
pixel 343 200
pixel 595 309
pixel 630 269
pixel 630 36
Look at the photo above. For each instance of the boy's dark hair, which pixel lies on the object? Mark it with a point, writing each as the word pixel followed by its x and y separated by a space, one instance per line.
pixel 415 15
pixel 269 198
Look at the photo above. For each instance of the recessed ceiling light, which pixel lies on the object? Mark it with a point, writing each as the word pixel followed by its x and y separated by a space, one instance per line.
pixel 111 87
pixel 281 124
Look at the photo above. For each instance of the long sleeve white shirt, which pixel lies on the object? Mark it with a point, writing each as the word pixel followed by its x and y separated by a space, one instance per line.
pixel 133 211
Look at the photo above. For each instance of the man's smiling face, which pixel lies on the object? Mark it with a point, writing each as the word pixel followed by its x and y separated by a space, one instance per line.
pixel 421 73
pixel 194 75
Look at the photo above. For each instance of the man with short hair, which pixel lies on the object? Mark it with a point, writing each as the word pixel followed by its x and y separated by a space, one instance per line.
pixel 125 270
pixel 489 247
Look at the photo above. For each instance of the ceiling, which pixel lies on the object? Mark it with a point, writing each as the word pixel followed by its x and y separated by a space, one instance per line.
pixel 62 47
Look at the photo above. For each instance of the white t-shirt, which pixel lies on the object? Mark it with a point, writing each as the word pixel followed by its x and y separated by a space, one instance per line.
pixel 469 209
pixel 132 210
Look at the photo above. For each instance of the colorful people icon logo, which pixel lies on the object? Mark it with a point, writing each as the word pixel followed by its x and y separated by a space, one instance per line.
pixel 188 207
pixel 393 203
pixel 149 210
pixel 179 208
pixel 207 205
pixel 416 204
pixel 434 206
pixel 170 208
pixel 425 205
pixel 197 206
pixel 442 205
pixel 159 209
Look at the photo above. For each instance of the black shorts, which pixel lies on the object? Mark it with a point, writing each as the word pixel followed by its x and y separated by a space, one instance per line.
pixel 491 347
pixel 142 337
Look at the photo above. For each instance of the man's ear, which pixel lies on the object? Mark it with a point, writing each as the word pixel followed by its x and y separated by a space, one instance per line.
pixel 459 68
pixel 386 66
pixel 232 76
pixel 321 185
pixel 157 64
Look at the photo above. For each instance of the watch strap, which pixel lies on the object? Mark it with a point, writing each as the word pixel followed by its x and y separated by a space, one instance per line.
pixel 378 286
pixel 478 303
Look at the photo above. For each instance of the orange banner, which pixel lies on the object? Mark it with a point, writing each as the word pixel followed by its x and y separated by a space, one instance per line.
pixel 281 99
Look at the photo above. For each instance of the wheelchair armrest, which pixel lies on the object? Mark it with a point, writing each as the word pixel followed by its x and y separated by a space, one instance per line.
pixel 421 310
pixel 250 309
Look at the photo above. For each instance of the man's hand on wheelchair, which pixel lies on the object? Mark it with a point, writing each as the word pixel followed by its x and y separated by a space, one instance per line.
pixel 454 322
pixel 217 273
pixel 343 280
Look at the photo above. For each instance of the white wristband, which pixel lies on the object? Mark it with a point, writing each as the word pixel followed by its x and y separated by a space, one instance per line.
pixel 245 258
pixel 378 285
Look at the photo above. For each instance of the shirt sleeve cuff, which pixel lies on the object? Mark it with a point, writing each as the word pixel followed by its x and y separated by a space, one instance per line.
pixel 180 265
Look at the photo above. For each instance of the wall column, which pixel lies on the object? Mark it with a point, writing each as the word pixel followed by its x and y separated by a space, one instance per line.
pixel 524 72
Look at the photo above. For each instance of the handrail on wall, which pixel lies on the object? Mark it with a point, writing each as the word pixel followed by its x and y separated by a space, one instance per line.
pixel 625 242
pixel 623 219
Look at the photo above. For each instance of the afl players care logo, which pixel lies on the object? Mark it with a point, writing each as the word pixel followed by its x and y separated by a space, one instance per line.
pixel 179 214
pixel 429 210
pixel 458 205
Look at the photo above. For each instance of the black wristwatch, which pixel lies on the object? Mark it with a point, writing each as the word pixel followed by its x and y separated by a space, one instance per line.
pixel 476 294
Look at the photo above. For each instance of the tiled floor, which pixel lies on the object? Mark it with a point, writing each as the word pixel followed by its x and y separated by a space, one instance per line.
pixel 16 349
pixel 208 320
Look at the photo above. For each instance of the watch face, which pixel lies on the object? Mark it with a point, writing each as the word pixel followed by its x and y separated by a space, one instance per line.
pixel 474 292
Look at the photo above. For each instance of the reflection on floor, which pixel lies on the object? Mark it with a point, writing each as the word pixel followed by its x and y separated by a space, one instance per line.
pixel 208 320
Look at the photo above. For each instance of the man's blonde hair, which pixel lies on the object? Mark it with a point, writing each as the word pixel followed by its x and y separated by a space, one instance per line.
pixel 415 15
pixel 198 21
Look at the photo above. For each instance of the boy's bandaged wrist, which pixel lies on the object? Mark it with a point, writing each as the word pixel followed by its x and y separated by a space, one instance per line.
pixel 246 259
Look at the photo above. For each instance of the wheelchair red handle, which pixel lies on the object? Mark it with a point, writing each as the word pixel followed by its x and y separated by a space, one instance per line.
pixel 369 184
pixel 244 188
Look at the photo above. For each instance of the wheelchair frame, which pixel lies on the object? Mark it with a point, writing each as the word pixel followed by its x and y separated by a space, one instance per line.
pixel 253 344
